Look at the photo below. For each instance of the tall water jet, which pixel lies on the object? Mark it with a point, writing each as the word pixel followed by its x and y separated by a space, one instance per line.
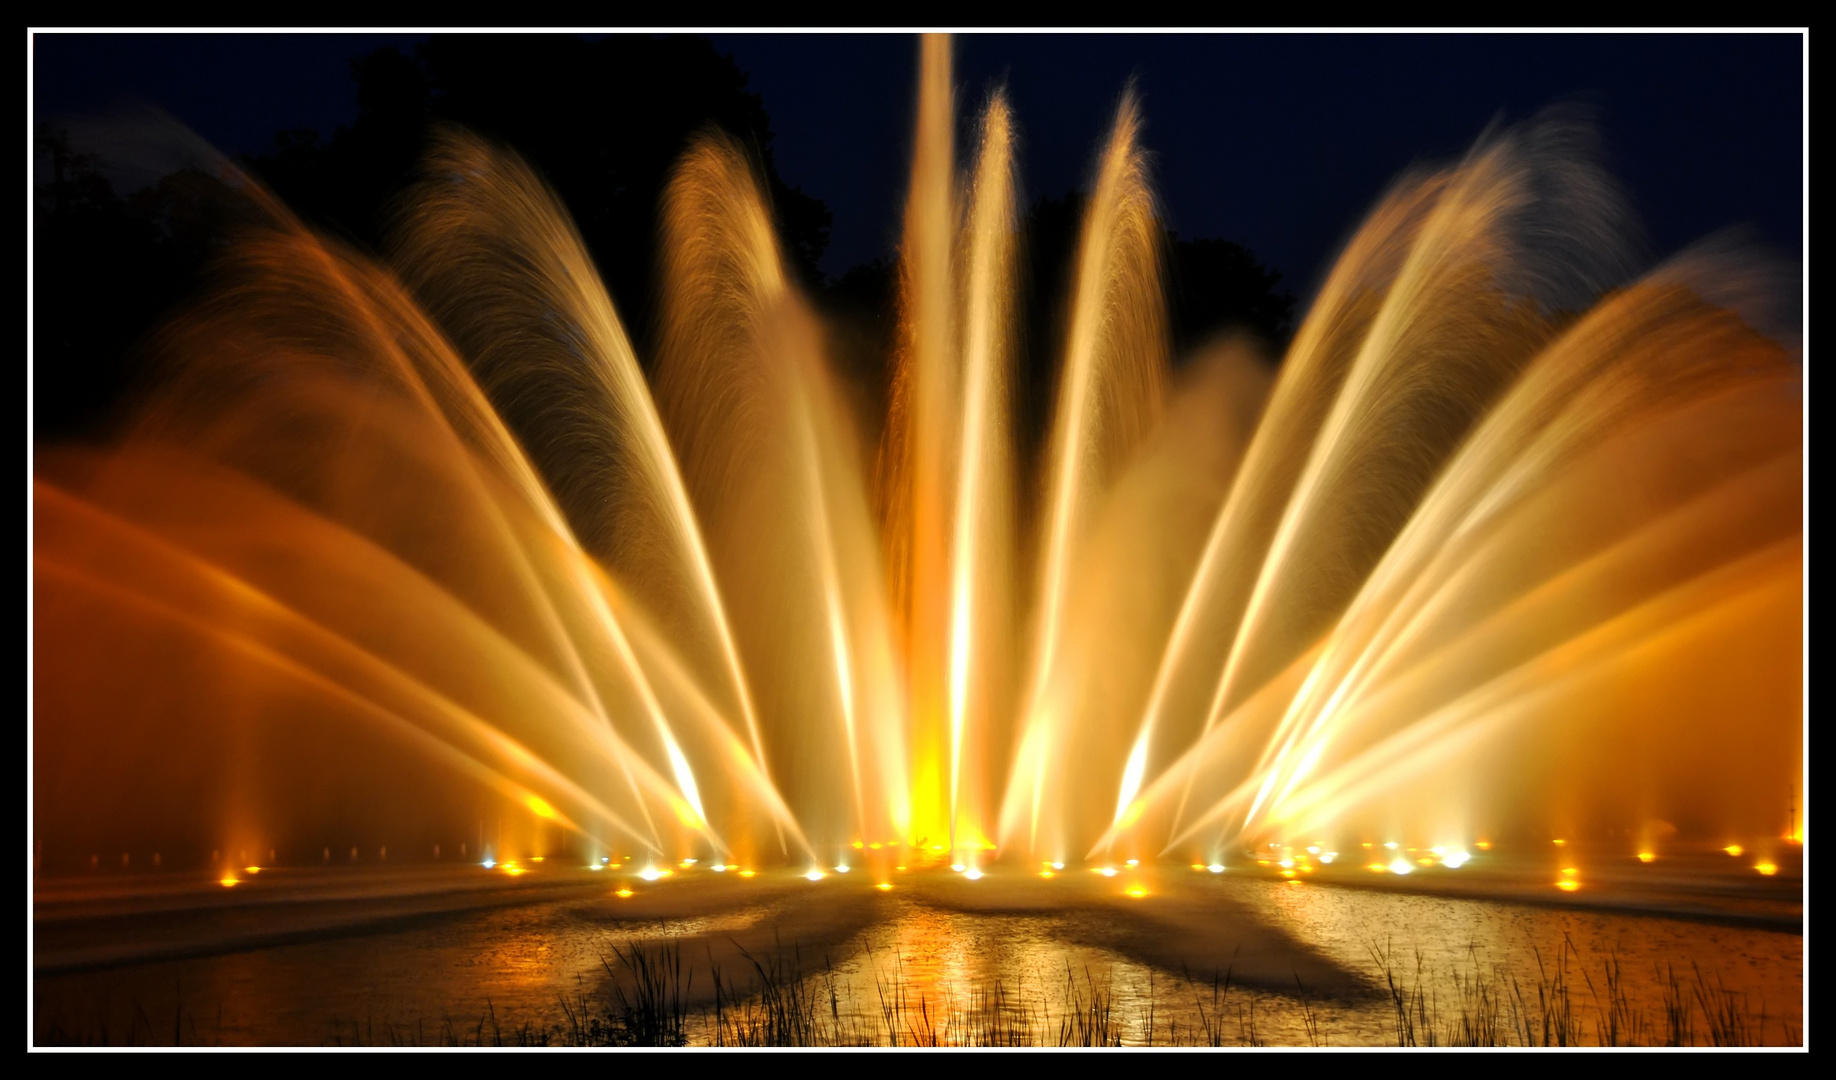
pixel 919 443
pixel 981 554
pixel 776 472
pixel 1108 396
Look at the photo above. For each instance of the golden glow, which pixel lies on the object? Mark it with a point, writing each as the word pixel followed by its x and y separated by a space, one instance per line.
pixel 858 845
pixel 543 858
pixel 1484 845
pixel 1134 862
pixel 1198 866
pixel 684 862
pixel 973 874
pixel 1401 866
pixel 814 875
pixel 1376 868
pixel 1287 873
pixel 748 873
pixel 1107 871
pixel 1767 868
pixel 1045 873
pixel 1735 850
pixel 1136 891
pixel 623 894
pixel 539 806
pixel 515 871
pixel 874 846
pixel 1216 868
pixel 884 886
pixel 1647 856
pixel 651 873
pixel 228 880
pixel 253 869
pixel 1570 871
pixel 1560 843
pixel 1568 885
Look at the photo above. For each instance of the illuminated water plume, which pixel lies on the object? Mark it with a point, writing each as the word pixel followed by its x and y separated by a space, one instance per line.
pixel 1510 541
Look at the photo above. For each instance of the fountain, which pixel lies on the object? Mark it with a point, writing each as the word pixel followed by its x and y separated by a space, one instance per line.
pixel 424 555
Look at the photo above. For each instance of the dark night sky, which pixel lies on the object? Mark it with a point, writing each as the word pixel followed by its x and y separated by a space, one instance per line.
pixel 1278 142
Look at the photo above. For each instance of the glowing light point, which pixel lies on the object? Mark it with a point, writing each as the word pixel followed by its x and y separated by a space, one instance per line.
pixel 1766 868
pixel 973 874
pixel 1313 849
pixel 1107 871
pixel 253 869
pixel 688 862
pixel 623 894
pixel 1484 845
pixel 489 863
pixel 1735 850
pixel 1137 892
pixel 814 875
pixel 1391 844
pixel 1647 856
pixel 956 867
pixel 1058 866
pixel 1216 868
pixel 884 886
pixel 1045 873
pixel 229 880
pixel 1455 859
pixel 594 866
pixel 748 873
pixel 842 869
pixel 604 859
pixel 1560 843
pixel 1329 856
pixel 719 868
pixel 1134 862
pixel 1568 885
pixel 1285 864
pixel 1401 866
pixel 650 873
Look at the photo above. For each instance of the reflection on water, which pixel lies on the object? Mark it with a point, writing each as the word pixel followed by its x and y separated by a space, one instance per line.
pixel 920 966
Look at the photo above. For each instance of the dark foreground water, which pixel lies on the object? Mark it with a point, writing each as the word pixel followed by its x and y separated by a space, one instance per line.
pixel 1694 949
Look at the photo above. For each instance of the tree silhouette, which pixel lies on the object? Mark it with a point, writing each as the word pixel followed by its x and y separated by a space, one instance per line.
pixel 604 121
